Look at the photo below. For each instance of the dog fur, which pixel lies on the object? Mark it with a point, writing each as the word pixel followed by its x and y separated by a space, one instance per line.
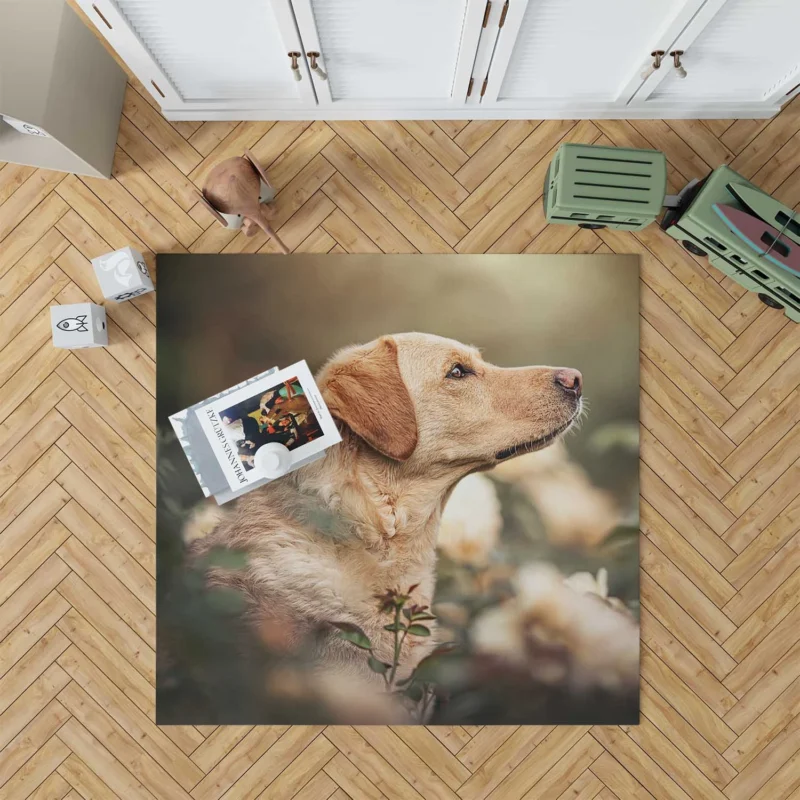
pixel 325 540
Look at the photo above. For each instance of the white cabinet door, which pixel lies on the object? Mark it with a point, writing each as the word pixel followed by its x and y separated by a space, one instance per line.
pixel 208 54
pixel 578 54
pixel 390 54
pixel 736 51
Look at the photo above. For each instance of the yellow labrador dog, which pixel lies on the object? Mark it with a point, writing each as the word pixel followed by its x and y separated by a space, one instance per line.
pixel 417 413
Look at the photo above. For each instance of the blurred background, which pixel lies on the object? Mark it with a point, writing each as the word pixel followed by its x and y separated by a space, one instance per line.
pixel 538 570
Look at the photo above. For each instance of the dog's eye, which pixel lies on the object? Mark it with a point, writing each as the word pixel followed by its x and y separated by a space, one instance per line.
pixel 458 371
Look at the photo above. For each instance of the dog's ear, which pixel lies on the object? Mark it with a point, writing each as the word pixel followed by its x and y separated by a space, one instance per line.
pixel 366 391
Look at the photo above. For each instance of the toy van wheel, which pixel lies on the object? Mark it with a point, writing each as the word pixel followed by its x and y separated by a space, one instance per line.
pixel 769 301
pixel 693 248
pixel 592 226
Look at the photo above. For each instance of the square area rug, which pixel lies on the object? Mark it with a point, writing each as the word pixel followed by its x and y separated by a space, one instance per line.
pixel 467 553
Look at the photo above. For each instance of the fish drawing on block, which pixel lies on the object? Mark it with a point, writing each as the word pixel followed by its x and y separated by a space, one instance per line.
pixel 763 238
pixel 77 324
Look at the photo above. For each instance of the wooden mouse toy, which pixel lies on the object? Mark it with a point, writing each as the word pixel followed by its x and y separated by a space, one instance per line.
pixel 233 194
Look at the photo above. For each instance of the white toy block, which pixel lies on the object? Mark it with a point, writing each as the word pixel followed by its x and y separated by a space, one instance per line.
pixel 122 274
pixel 78 325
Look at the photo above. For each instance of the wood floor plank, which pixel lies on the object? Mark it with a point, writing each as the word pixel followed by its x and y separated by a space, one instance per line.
pixel 237 762
pixel 153 161
pixel 34 712
pixel 152 197
pixel 120 744
pixel 318 241
pixel 419 161
pixel 30 230
pixel 682 446
pixel 719 478
pixel 686 413
pixel 129 717
pixel 91 768
pixel 768 435
pixel 108 516
pixel 25 199
pixel 209 135
pixel 31 738
pixel 437 143
pixel 686 737
pixel 135 612
pixel 36 296
pixel 384 198
pixel 688 486
pixel 90 207
pixel 763 146
pixel 24 529
pixel 372 227
pixel 781 530
pixel 498 183
pixel 112 627
pixel 692 635
pixel 677 149
pixel 30 266
pixel 12 176
pixel 452 127
pixel 494 152
pixel 105 404
pixel 391 169
pixel 684 375
pixel 686 593
pixel 108 443
pixel 683 334
pixel 761 403
pixel 476 133
pixel 763 603
pixel 639 764
pixel 351 780
pixel 109 479
pixel 159 131
pixel 31 556
pixel 560 743
pixel 286 161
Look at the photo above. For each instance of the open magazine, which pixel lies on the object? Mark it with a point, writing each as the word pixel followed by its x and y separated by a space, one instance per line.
pixel 223 434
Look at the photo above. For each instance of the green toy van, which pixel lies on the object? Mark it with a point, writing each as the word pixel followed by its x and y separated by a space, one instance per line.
pixel 593 186
pixel 605 187
pixel 702 232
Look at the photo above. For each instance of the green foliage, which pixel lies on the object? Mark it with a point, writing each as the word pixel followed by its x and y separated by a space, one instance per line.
pixel 226 601
pixel 397 604
pixel 223 558
pixel 622 435
pixel 414 692
pixel 378 666
pixel 395 627
pixel 353 634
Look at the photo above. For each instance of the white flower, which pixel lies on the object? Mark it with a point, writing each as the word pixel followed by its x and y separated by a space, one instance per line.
pixel 551 457
pixel 561 633
pixel 574 512
pixel 586 583
pixel 471 521
pixel 202 521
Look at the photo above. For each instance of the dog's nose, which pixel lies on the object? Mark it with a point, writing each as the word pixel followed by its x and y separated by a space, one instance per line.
pixel 570 380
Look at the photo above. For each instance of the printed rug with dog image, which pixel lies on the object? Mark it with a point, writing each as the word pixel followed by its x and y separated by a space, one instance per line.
pixel 466 554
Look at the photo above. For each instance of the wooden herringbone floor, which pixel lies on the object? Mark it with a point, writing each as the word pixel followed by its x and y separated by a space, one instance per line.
pixel 720 471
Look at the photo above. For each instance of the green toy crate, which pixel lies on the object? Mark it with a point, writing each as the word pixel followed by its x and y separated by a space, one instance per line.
pixel 702 232
pixel 598 187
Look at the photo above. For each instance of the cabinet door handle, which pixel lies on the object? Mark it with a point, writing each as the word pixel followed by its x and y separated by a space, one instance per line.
pixel 676 60
pixel 295 66
pixel 651 68
pixel 315 68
